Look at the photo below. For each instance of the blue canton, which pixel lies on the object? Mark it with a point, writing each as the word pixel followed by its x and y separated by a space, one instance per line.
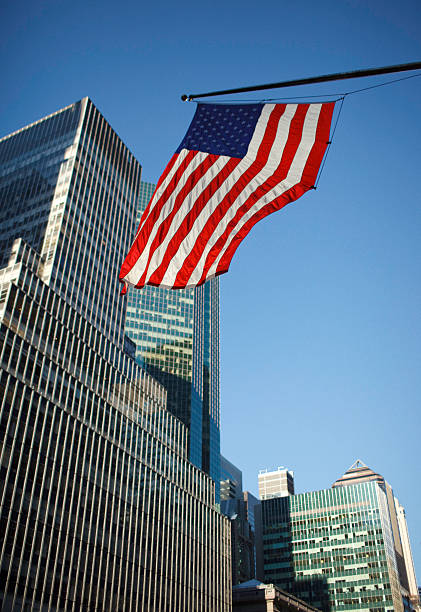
pixel 222 129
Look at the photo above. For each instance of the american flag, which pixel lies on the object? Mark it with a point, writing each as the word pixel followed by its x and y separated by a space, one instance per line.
pixel 236 164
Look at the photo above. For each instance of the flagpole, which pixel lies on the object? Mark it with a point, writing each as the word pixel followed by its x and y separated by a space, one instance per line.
pixel 339 76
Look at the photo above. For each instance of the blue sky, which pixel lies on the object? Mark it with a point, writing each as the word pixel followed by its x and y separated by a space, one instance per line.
pixel 320 312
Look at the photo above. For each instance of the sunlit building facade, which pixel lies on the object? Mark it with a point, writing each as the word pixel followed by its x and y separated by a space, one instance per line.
pixel 177 341
pixel 360 472
pixel 413 594
pixel 100 506
pixel 275 483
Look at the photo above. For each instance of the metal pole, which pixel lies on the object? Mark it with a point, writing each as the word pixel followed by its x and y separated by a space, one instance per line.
pixel 339 76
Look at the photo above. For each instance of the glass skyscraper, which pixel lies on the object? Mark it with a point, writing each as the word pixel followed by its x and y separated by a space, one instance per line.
pixel 100 507
pixel 176 333
pixel 336 548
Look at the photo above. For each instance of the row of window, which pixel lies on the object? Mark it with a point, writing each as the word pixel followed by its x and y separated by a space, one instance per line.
pixel 66 509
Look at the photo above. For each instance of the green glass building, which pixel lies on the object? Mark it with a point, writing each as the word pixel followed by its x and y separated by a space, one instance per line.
pixel 333 548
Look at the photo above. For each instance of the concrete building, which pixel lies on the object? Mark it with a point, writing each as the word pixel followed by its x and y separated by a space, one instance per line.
pixel 100 507
pixel 276 483
pixel 176 334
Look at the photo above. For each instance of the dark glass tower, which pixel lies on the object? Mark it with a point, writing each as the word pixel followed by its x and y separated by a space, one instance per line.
pixel 176 333
pixel 100 508
pixel 239 506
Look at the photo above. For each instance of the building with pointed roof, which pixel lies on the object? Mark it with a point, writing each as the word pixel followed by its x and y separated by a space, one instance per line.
pixel 340 548
pixel 358 472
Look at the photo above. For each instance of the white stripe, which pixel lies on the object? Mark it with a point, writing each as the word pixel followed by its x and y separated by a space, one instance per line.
pixel 294 176
pixel 272 163
pixel 188 242
pixel 137 270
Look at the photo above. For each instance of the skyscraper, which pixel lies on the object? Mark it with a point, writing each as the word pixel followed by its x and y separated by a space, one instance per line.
pixel 177 340
pixel 67 188
pixel 337 548
pixel 359 472
pixel 100 507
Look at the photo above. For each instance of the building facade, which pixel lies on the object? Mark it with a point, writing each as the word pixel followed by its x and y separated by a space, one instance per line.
pixel 413 594
pixel 275 483
pixel 337 548
pixel 360 472
pixel 100 507
pixel 239 506
pixel 177 341
pixel 231 480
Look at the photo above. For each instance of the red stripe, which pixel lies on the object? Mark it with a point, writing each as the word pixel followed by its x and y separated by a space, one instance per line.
pixel 288 196
pixel 290 149
pixel 165 224
pixel 314 160
pixel 186 225
pixel 295 136
pixel 202 239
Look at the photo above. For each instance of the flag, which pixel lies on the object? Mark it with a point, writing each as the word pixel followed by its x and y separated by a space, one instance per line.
pixel 236 165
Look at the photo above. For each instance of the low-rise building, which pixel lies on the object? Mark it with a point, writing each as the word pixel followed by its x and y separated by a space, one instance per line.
pixel 254 596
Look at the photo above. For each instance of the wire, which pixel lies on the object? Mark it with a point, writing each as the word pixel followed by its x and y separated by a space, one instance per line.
pixel 338 76
pixel 337 96
pixel 341 99
pixel 330 143
pixel 263 100
pixel 412 76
